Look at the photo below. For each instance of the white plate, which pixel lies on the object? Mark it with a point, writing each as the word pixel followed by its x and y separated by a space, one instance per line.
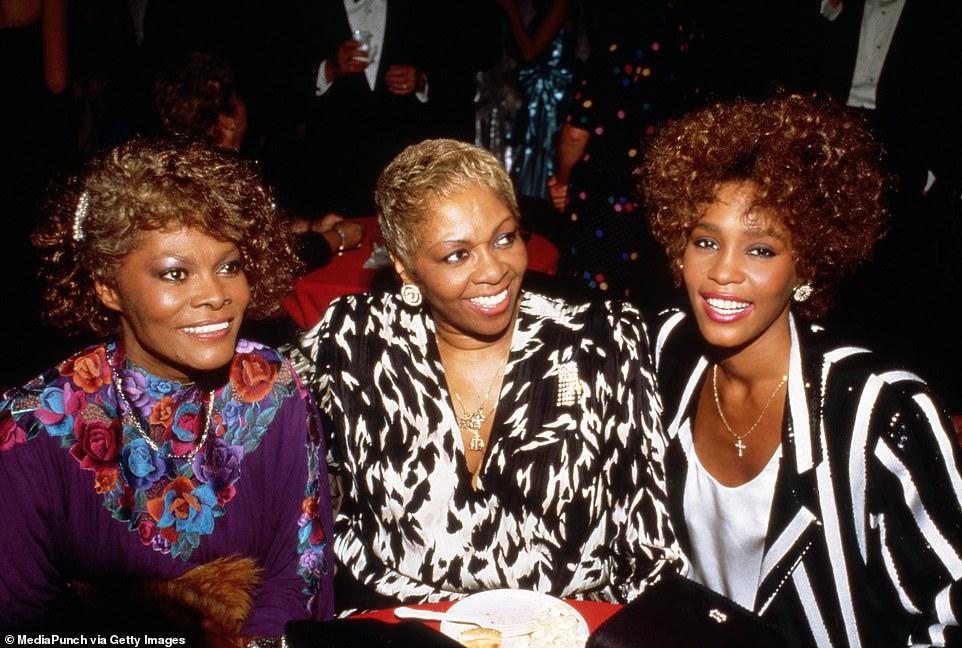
pixel 510 606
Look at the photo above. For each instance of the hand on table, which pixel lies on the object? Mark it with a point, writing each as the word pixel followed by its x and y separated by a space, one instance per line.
pixel 340 234
pixel 352 233
pixel 403 79
pixel 326 222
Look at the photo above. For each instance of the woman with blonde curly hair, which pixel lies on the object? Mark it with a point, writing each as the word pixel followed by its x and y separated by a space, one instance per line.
pixel 171 474
pixel 809 480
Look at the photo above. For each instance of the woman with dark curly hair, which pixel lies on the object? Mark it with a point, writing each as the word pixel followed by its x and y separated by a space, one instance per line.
pixel 809 481
pixel 170 476
pixel 196 99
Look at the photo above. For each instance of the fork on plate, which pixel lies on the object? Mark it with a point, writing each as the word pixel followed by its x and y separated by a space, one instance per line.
pixel 506 629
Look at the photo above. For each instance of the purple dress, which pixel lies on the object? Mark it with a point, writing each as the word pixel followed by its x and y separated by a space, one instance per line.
pixel 86 497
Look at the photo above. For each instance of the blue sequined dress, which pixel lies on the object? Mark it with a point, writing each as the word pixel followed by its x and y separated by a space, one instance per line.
pixel 546 84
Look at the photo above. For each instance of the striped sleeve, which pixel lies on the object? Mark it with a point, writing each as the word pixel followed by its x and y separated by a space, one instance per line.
pixel 914 513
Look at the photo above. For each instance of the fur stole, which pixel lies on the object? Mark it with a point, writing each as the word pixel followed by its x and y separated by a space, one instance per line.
pixel 222 590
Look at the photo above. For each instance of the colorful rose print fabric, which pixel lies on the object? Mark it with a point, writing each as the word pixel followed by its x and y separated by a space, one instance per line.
pixel 171 497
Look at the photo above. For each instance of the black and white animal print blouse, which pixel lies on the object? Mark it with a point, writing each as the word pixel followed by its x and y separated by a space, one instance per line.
pixel 570 498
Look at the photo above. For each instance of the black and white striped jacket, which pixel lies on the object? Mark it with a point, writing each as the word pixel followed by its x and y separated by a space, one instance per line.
pixel 864 543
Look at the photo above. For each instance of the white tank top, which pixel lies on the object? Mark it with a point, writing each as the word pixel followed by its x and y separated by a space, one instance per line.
pixel 727 527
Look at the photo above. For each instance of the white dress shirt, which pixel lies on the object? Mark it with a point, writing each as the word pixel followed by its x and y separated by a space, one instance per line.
pixel 366 16
pixel 879 20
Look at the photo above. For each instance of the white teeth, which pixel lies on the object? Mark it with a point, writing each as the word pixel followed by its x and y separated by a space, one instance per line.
pixel 492 301
pixel 727 306
pixel 207 328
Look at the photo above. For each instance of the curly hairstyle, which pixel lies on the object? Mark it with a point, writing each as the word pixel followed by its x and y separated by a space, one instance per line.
pixel 424 172
pixel 191 95
pixel 154 184
pixel 812 162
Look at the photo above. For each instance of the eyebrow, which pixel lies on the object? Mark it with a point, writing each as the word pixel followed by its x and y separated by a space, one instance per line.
pixel 457 241
pixel 752 230
pixel 181 258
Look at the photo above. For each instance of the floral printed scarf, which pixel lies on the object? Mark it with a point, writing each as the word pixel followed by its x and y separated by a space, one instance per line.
pixel 170 502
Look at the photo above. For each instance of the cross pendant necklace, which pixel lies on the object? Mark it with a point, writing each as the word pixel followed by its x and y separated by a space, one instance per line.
pixel 740 446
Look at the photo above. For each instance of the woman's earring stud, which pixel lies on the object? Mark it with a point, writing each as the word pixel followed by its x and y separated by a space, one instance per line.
pixel 803 292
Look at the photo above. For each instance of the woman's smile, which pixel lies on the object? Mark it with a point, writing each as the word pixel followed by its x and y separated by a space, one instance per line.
pixel 469 263
pixel 214 330
pixel 181 295
pixel 725 308
pixel 491 304
pixel 739 270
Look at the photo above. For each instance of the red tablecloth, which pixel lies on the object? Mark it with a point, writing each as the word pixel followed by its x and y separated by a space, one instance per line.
pixel 594 612
pixel 345 275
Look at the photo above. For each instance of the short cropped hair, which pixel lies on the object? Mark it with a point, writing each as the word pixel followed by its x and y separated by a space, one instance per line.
pixel 191 95
pixel 425 172
pixel 814 166
pixel 154 184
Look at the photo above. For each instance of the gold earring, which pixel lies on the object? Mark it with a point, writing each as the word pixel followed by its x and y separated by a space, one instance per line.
pixel 411 295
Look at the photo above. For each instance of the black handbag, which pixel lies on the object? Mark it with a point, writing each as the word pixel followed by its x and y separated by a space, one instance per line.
pixel 676 613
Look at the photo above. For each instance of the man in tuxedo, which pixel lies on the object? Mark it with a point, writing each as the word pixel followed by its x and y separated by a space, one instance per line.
pixel 367 100
pixel 413 79
pixel 898 62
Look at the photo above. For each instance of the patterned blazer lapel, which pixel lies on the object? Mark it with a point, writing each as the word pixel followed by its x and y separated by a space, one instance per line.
pixel 793 526
pixel 676 471
pixel 795 517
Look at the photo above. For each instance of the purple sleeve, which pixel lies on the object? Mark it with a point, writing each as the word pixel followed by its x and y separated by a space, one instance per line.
pixel 56 526
pixel 32 478
pixel 291 457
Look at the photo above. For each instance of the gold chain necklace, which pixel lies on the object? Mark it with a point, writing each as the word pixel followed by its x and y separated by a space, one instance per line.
pixel 146 437
pixel 474 420
pixel 738 438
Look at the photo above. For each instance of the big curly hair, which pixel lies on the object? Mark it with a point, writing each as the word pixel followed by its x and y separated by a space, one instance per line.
pixel 424 172
pixel 154 184
pixel 191 95
pixel 814 166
